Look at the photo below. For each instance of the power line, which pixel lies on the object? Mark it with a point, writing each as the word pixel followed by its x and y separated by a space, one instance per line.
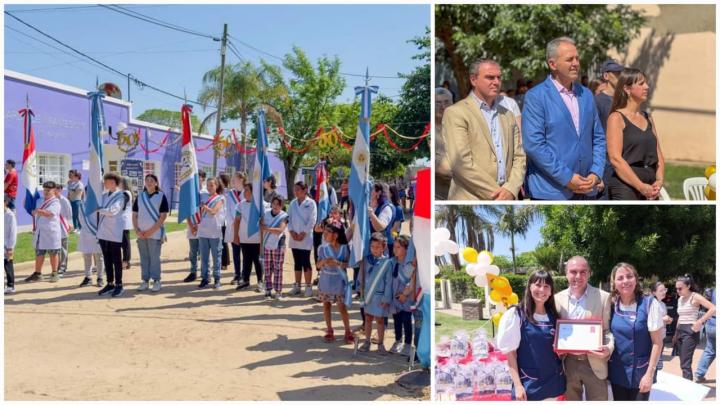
pixel 31 10
pixel 137 81
pixel 152 20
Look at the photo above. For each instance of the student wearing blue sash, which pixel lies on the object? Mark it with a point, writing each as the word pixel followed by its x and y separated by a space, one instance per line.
pixel 127 221
pixel 111 226
pixel 376 283
pixel 636 322
pixel 272 226
pixel 46 233
pixel 150 210
pixel 334 285
pixel 381 213
pixel 403 287
pixel 191 233
pixel 249 245
pixel 65 227
pixel 398 215
pixel 233 197
pixel 526 333
pixel 209 232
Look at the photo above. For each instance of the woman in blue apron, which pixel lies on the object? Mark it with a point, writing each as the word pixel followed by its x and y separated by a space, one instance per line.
pixel 526 333
pixel 636 322
pixel 334 286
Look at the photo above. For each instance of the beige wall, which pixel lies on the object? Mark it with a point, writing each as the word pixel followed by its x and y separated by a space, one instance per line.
pixel 676 49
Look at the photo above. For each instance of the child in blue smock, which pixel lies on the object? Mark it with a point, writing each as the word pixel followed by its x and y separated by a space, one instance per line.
pixel 403 287
pixel 334 286
pixel 376 281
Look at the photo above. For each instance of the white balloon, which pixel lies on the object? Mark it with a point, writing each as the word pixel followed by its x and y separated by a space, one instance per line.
pixel 471 269
pixel 712 181
pixel 439 248
pixel 451 247
pixel 436 269
pixel 484 259
pixel 481 281
pixel 492 269
pixel 442 234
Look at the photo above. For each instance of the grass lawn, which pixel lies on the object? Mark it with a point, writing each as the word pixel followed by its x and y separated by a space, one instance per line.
pixel 24 250
pixel 449 324
pixel 675 175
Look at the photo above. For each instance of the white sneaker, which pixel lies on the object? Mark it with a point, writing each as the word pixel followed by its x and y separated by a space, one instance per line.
pixel 143 286
pixel 308 291
pixel 406 350
pixel 295 290
pixel 278 296
pixel 156 286
pixel 395 348
pixel 260 288
pixel 9 290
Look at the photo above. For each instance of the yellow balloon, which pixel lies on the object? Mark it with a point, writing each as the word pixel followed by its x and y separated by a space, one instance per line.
pixel 709 171
pixel 709 193
pixel 470 255
pixel 502 285
pixel 496 296
pixel 511 299
pixel 496 318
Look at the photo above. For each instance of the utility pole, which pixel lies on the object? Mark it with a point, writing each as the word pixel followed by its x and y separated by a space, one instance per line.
pixel 220 99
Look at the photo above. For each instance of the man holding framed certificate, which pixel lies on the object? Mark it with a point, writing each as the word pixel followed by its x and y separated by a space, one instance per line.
pixel 583 333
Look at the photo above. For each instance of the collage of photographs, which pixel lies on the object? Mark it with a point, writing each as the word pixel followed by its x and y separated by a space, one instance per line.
pixel 337 202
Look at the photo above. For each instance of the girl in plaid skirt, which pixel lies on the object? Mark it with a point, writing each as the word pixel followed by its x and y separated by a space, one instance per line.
pixel 273 226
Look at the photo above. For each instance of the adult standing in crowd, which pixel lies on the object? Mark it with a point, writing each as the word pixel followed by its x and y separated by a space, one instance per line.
pixel 482 141
pixel 689 324
pixel 633 144
pixel 610 71
pixel 708 355
pixel 561 131
pixel 75 192
pixel 303 216
pixel 11 183
pixel 585 372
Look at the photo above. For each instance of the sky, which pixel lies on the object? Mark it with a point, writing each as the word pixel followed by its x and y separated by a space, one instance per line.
pixel 361 36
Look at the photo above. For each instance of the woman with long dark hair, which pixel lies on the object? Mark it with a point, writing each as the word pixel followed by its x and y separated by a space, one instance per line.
pixel 687 332
pixel 632 143
pixel 526 333
pixel 150 210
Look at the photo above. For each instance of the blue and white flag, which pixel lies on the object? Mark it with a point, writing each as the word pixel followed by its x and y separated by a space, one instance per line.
pixel 359 188
pixel 261 171
pixel 188 180
pixel 95 174
pixel 321 191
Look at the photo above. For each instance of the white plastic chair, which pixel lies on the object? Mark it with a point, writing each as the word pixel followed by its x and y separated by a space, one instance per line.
pixel 693 188
pixel 664 194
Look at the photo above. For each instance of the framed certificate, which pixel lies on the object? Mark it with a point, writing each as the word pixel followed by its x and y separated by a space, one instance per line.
pixel 578 335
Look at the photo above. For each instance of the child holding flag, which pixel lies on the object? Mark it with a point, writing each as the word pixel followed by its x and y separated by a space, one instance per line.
pixel 273 226
pixel 376 282
pixel 334 286
pixel 89 246
pixel 47 234
pixel 250 245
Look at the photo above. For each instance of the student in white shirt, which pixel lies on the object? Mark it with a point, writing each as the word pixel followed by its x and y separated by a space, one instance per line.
pixel 111 226
pixel 209 232
pixel 233 198
pixel 224 180
pixel 66 227
pixel 10 238
pixel 303 216
pixel 46 233
pixel 76 191
pixel 250 245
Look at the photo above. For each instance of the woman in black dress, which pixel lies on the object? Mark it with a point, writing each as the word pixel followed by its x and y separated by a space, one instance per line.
pixel 632 143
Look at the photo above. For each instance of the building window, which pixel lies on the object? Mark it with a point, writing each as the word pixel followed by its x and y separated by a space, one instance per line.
pixel 148 168
pixel 207 169
pixel 53 167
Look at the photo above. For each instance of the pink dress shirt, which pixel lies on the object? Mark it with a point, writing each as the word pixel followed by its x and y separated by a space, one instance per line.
pixel 571 102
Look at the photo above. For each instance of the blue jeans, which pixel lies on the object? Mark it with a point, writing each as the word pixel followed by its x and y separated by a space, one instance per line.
pixel 75 211
pixel 149 258
pixel 193 255
pixel 708 354
pixel 210 246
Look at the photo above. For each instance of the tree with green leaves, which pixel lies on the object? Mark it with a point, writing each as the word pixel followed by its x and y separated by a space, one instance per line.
pixel 512 221
pixel 246 88
pixel 516 35
pixel 659 240
pixel 168 118
pixel 311 92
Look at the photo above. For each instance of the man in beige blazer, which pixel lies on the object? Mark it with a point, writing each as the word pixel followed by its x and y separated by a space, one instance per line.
pixel 482 141
pixel 583 301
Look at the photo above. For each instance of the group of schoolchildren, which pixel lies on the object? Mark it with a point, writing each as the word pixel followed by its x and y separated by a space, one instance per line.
pixel 384 283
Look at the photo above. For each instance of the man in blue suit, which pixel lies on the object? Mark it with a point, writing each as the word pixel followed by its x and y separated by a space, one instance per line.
pixel 562 134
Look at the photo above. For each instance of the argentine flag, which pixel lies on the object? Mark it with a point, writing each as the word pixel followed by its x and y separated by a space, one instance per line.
pixel 261 171
pixel 188 178
pixel 359 188
pixel 95 174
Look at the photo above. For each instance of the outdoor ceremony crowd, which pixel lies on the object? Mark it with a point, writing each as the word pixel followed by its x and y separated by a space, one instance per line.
pixel 556 140
pixel 634 321
pixel 384 284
